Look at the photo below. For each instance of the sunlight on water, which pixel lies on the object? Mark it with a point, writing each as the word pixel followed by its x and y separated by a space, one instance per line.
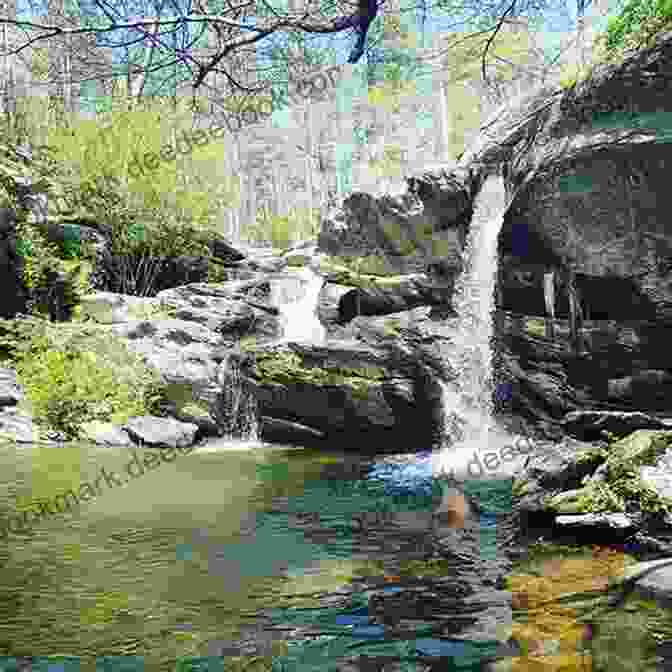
pixel 467 401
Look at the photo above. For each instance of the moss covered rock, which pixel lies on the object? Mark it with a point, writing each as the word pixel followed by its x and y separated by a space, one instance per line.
pixel 351 393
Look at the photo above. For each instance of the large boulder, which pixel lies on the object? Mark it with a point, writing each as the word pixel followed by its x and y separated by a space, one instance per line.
pixel 357 396
pixel 422 227
pixel 339 304
pixel 586 174
pixel 232 309
pixel 591 424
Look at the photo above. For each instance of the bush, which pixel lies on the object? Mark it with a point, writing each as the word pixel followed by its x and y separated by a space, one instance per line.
pixel 149 214
pixel 43 261
pixel 71 376
pixel 638 22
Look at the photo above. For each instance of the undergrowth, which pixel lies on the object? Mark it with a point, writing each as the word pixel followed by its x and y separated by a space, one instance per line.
pixel 72 374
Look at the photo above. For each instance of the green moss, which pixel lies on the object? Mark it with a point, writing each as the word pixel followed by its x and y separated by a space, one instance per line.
pixel 520 487
pixel 287 368
pixel 356 270
pixel 149 311
pixel 535 327
pixel 640 448
pixel 392 326
pixel 194 410
pixel 624 488
pixel 593 455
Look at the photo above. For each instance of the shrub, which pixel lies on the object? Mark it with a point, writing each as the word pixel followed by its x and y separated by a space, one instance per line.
pixel 43 260
pixel 72 376
pixel 149 214
pixel 638 22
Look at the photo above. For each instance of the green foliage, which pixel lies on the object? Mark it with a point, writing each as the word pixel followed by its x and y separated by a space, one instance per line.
pixel 624 487
pixel 638 22
pixel 281 232
pixel 508 50
pixel 41 260
pixel 75 375
pixel 152 213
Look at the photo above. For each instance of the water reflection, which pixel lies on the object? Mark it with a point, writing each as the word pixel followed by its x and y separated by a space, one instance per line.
pixel 301 559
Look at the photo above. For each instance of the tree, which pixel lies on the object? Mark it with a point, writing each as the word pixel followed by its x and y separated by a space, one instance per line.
pixel 175 34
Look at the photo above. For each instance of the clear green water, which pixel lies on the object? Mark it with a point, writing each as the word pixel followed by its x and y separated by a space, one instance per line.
pixel 238 556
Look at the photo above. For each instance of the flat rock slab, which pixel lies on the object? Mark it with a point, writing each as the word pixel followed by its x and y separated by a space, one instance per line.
pixel 105 434
pixel 274 429
pixel 153 431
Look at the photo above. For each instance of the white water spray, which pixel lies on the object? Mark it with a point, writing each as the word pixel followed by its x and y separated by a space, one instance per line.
pixel 467 402
pixel 298 310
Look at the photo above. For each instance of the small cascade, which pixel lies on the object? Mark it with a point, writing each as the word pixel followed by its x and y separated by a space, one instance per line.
pixel 295 294
pixel 298 307
pixel 237 405
pixel 467 401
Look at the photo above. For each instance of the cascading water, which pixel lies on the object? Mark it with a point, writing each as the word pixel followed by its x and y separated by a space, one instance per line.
pixel 467 401
pixel 238 405
pixel 295 294
pixel 298 309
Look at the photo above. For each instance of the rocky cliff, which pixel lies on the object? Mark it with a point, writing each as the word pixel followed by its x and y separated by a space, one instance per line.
pixel 586 172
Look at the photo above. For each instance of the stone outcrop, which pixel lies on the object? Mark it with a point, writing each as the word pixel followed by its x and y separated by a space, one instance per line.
pixel 601 488
pixel 586 174
pixel 356 396
pixel 549 379
pixel 586 181
pixel 342 303
pixel 422 229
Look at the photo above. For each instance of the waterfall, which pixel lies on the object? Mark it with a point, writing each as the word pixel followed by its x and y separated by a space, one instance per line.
pixel 298 307
pixel 237 405
pixel 467 401
pixel 295 294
